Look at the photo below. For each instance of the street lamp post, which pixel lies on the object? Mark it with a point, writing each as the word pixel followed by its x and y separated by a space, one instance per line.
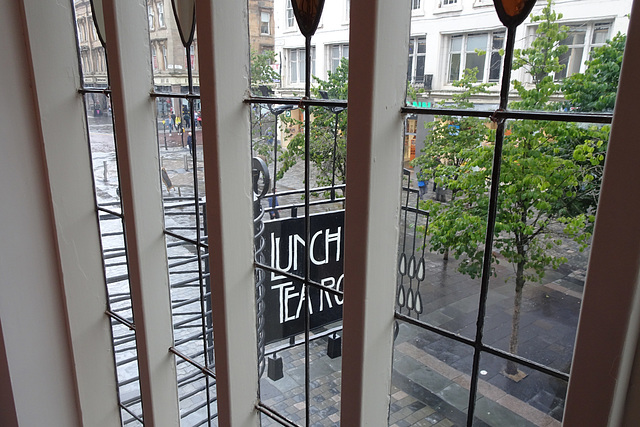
pixel 276 111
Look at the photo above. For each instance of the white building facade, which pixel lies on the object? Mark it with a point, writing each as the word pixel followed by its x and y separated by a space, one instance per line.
pixel 446 37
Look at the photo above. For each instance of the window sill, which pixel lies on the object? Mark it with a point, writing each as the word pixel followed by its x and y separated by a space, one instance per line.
pixel 448 8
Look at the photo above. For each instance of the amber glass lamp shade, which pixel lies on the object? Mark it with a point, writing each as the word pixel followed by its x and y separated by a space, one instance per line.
pixel 307 13
pixel 513 12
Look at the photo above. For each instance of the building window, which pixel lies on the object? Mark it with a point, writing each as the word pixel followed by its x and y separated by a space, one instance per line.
pixel 150 13
pixel 335 54
pixel 160 7
pixel 93 31
pixel 448 2
pixel 417 56
pixel 265 19
pixel 297 64
pixel 165 62
pixel 154 56
pixel 581 40
pixel 415 4
pixel 289 14
pixel 477 50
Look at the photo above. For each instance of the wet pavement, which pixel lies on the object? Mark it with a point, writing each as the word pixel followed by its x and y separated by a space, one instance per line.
pixel 431 373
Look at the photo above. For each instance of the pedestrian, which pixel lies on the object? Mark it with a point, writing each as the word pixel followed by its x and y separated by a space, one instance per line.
pixel 173 121
pixel 178 124
pixel 190 143
pixel 186 119
pixel 422 188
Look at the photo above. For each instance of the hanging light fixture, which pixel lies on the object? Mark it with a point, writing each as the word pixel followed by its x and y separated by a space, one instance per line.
pixel 98 20
pixel 307 13
pixel 513 12
pixel 185 13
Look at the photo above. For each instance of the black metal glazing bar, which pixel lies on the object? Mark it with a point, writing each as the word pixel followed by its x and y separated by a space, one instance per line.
pixel 488 349
pixel 120 319
pixel 294 276
pixel 551 116
pixel 104 91
pixel 128 411
pixel 110 212
pixel 186 239
pixel 189 95
pixel 299 102
pixel 274 415
pixel 491 221
pixel 205 370
pixel 307 220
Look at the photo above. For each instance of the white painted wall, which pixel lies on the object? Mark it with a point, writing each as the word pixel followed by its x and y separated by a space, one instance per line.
pixel 34 326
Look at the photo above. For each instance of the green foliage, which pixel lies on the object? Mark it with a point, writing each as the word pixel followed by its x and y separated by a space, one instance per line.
pixel 595 90
pixel 261 71
pixel 451 140
pixel 539 174
pixel 541 61
pixel 323 131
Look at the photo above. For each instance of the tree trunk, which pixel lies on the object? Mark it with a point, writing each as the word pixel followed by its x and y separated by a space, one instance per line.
pixel 446 254
pixel 512 367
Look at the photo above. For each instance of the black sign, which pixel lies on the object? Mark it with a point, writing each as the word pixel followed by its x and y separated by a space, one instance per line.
pixel 285 298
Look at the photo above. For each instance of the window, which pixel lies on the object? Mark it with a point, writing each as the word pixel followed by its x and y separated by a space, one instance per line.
pixel 415 4
pixel 335 54
pixel 265 19
pixel 160 7
pixel 477 50
pixel 448 2
pixel 289 14
pixel 165 61
pixel 297 64
pixel 581 39
pixel 417 53
pixel 151 20
pixel 154 56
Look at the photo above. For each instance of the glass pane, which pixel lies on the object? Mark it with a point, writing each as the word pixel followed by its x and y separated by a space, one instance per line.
pixel 422 45
pixel 456 44
pixel 454 67
pixel 419 69
pixel 476 61
pixel 430 382
pixel 325 364
pixel 541 254
pixel 495 67
pixel 498 40
pixel 476 41
pixel 531 399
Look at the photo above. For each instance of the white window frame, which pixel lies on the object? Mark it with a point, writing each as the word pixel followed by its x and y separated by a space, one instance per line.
pixel 607 335
pixel 151 15
pixel 333 61
pixel 299 77
pixel 160 8
pixel 589 30
pixel 491 51
pixel 264 14
pixel 290 19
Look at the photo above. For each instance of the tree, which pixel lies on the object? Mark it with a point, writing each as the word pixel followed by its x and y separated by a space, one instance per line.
pixel 534 183
pixel 263 129
pixel 596 89
pixel 324 132
pixel 451 142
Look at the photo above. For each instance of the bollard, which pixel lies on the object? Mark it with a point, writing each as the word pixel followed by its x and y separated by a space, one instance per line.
pixel 105 177
pixel 186 164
